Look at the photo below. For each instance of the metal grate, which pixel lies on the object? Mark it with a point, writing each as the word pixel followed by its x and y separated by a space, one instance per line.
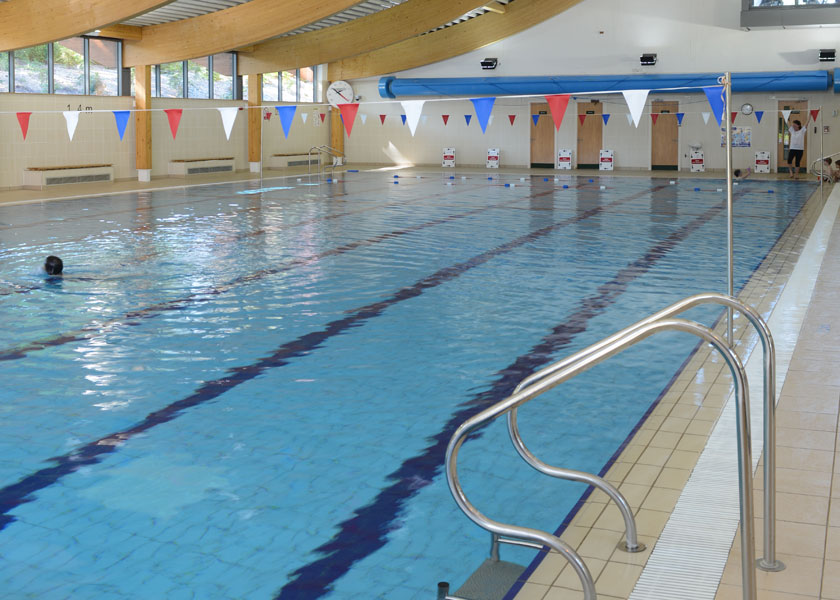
pixel 182 9
pixel 216 169
pixel 77 179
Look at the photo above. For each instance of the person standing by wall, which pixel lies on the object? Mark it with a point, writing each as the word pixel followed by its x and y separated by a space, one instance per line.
pixel 796 148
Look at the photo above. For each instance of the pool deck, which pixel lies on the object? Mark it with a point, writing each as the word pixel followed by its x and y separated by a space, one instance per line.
pixel 669 464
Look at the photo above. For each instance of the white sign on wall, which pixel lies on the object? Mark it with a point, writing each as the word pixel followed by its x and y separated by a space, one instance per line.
pixel 698 163
pixel 564 159
pixel 762 162
pixel 492 158
pixel 606 161
pixel 448 157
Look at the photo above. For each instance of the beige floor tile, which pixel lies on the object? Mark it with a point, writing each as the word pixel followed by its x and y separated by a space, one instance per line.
pixel 657 456
pixel 643 474
pixel 796 508
pixel 797 438
pixel 831 580
pixel 683 459
pixel 699 427
pixel 800 457
pixel 574 535
pixel 635 558
pixel 569 578
pixel 707 413
pixel 588 514
pixel 801 575
pixel 558 593
pixel 599 543
pixel 651 522
pixel 632 452
pixel 692 443
pixel 634 493
pixel 618 579
pixel 532 591
pixel 806 420
pixel 674 479
pixel 665 439
pixel 618 472
pixel 661 499
pixel 795 481
pixel 809 399
pixel 685 411
pixel 611 518
pixel 832 544
pixel 834 514
pixel 644 436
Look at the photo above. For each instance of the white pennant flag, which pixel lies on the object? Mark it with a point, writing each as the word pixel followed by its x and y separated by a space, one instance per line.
pixel 228 117
pixel 363 117
pixel 412 109
pixel 303 116
pixel 785 115
pixel 629 119
pixel 490 121
pixel 706 116
pixel 72 117
pixel 636 103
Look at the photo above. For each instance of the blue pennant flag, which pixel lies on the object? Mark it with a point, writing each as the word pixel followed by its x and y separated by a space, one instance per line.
pixel 403 119
pixel 759 114
pixel 483 108
pixel 716 101
pixel 680 118
pixel 286 114
pixel 468 118
pixel 122 120
pixel 606 118
pixel 535 119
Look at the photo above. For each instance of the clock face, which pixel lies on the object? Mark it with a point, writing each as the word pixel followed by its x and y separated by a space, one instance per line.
pixel 339 92
pixel 746 109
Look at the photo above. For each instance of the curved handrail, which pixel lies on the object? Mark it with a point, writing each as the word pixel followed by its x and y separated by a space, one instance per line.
pixel 768 562
pixel 813 166
pixel 546 383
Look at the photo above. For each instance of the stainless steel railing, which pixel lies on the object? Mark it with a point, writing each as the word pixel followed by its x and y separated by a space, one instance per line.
pixel 576 364
pixel 768 562
pixel 329 151
pixel 818 162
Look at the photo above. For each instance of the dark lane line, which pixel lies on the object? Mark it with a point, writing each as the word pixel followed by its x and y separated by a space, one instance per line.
pixel 91 453
pixel 376 519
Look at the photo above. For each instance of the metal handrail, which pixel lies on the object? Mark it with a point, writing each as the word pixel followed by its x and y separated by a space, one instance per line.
pixel 768 562
pixel 548 382
pixel 327 150
pixel 819 161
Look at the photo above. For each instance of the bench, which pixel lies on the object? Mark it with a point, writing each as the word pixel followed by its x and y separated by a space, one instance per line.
pixel 193 166
pixel 37 178
pixel 293 159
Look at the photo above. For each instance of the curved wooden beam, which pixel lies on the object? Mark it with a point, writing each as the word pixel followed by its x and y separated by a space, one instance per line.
pixel 32 22
pixel 450 42
pixel 362 35
pixel 226 29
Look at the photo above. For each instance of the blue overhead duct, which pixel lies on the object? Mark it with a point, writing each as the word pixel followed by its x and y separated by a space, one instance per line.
pixel 837 81
pixel 771 81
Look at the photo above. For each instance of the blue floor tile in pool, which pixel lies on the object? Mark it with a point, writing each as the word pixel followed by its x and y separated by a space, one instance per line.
pixel 248 395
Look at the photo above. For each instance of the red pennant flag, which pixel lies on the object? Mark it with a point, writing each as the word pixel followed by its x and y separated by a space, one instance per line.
pixel 323 116
pixel 512 118
pixel 23 119
pixel 174 116
pixel 814 114
pixel 653 117
pixel 445 119
pixel 348 114
pixel 582 118
pixel 734 114
pixel 558 103
pixel 382 119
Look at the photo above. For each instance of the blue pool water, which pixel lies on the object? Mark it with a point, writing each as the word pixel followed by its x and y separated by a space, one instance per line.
pixel 243 394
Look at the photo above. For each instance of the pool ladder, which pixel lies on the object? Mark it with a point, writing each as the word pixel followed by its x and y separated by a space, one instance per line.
pixel 336 158
pixel 563 370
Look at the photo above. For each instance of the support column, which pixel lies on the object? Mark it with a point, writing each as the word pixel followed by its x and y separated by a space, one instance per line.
pixel 143 122
pixel 255 121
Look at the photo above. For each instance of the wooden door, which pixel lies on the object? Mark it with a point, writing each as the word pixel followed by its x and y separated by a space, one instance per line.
pixel 542 137
pixel 590 135
pixel 799 110
pixel 665 137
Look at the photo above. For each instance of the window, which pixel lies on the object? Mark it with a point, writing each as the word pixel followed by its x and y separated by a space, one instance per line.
pixel 4 72
pixel 223 76
pixel 307 84
pixel 31 73
pixel 198 77
pixel 69 66
pixel 288 84
pixel 172 80
pixel 104 71
pixel 770 3
pixel 270 87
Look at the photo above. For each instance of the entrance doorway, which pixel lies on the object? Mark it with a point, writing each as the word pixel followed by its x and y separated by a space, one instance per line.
pixel 665 136
pixel 542 137
pixel 590 135
pixel 799 110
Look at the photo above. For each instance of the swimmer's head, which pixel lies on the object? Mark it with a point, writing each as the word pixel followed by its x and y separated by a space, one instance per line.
pixel 737 172
pixel 53 265
pixel 827 160
pixel 798 124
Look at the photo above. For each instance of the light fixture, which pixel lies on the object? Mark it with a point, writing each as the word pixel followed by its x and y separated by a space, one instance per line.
pixel 489 63
pixel 827 55
pixel 648 59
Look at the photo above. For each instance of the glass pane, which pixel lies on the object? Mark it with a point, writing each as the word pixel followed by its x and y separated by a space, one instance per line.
pixel 289 86
pixel 307 84
pixel 31 70
pixel 245 89
pixel 172 80
pixel 155 90
pixel 4 72
pixel 223 76
pixel 103 67
pixel 131 70
pixel 198 77
pixel 270 87
pixel 69 66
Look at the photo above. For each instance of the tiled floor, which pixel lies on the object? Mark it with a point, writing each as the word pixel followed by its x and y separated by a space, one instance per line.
pixel 653 470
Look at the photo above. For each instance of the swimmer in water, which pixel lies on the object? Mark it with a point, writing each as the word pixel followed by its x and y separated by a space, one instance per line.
pixel 741 173
pixel 53 266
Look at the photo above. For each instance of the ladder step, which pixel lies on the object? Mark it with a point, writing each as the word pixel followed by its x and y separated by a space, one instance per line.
pixel 491 580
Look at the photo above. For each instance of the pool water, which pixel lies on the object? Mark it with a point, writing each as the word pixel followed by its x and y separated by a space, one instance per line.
pixel 244 392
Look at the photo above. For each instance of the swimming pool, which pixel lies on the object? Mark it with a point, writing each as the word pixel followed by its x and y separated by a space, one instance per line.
pixel 248 395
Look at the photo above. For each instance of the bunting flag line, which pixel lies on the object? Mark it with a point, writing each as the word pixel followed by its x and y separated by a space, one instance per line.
pixel 121 117
pixel 483 107
pixel 72 118
pixel 535 118
pixel 287 115
pixel 403 117
pixel 228 117
pixel 267 115
pixel 348 115
pixel 174 116
pixel 382 119
pixel 511 118
pixel 468 118
pixel 23 120
pixel 759 114
pixel 714 94
pixel 654 117
pixel 706 116
pixel 786 115
pixel 636 100
pixel 363 117
pixel 557 103
pixel 734 114
pixel 629 118
pixel 490 121
pixel 814 113
pixel 413 109
pixel 323 116
pixel 582 118
pixel 445 120
pixel 680 118
pixel 303 116
pixel 606 117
